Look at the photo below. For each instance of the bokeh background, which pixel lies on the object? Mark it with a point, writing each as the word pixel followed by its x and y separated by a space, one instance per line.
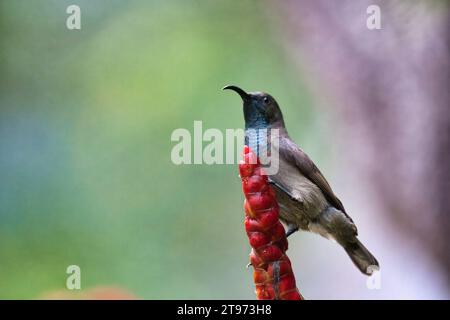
pixel 86 118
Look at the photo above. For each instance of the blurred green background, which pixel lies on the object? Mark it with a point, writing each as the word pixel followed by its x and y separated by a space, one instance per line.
pixel 85 124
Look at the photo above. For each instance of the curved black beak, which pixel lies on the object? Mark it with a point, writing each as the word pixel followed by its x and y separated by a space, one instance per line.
pixel 244 95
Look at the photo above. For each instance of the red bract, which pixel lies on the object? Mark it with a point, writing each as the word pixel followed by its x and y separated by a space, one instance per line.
pixel 272 275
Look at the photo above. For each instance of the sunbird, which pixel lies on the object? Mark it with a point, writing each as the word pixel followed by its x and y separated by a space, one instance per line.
pixel 305 198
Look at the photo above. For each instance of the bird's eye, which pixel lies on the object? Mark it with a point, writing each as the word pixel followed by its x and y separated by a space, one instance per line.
pixel 266 99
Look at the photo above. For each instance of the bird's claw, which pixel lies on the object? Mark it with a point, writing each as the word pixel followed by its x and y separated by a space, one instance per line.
pixel 291 229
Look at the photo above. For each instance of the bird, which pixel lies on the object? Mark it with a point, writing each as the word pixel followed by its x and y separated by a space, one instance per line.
pixel 305 197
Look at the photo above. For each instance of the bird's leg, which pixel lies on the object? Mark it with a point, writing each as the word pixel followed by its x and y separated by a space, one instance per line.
pixel 291 229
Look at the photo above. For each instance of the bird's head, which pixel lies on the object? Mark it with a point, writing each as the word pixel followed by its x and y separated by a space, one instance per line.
pixel 260 109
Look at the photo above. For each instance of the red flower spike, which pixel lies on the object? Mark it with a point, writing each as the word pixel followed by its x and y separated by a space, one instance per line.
pixel 270 253
pixel 254 184
pixel 292 295
pixel 268 219
pixel 256 261
pixel 284 268
pixel 251 160
pixel 258 171
pixel 273 275
pixel 252 225
pixel 245 170
pixel 278 232
pixel 260 201
pixel 248 210
pixel 264 292
pixel 258 239
pixel 260 276
pixel 286 284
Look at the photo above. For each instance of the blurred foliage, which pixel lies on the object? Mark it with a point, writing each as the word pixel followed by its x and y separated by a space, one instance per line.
pixel 85 124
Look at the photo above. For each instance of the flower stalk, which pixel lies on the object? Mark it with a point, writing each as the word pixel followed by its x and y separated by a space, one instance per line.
pixel 272 271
